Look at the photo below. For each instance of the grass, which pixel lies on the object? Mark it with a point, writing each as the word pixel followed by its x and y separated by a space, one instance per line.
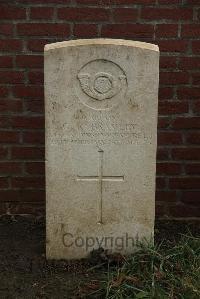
pixel 168 270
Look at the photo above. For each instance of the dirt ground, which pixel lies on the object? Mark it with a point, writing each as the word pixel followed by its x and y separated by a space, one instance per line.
pixel 25 273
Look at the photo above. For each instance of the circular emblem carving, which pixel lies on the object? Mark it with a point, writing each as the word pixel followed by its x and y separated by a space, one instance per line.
pixel 101 82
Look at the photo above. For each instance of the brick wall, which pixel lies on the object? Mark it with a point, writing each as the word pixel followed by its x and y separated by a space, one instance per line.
pixel 27 25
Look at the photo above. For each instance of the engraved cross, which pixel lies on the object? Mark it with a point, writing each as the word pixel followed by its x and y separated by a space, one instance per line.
pixel 100 178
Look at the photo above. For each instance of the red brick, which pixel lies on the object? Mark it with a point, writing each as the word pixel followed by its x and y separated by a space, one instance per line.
pixel 128 30
pixel 32 61
pixel 43 29
pixel 184 211
pixel 167 138
pixel 14 208
pixel 132 2
pixel 3 183
pixel 3 152
pixel 29 103
pixel 193 138
pixel 11 77
pixel 167 13
pixel 163 122
pixel 22 196
pixel 4 121
pixel 168 62
pixel 173 107
pixel 6 61
pixel 46 1
pixel 3 91
pixel 166 93
pixel 35 106
pixel 125 14
pixel 167 30
pixel 28 91
pixel 160 210
pixel 6 29
pixel 184 183
pixel 196 107
pixel 115 2
pixel 160 183
pixel 187 123
pixel 35 209
pixel 92 2
pixel 27 182
pixel 12 13
pixel 35 168
pixel 37 45
pixel 192 169
pixel 85 30
pixel 188 93
pixel 27 153
pixel 7 105
pixel 10 45
pixel 36 77
pixel 190 30
pixel 174 78
pixel 186 153
pixel 9 137
pixel 162 154
pixel 172 45
pixel 169 1
pixel 166 196
pixel 187 63
pixel 41 12
pixel 195 78
pixel 83 14
pixel 33 137
pixel 168 168
pixel 193 2
pixel 27 122
pixel 10 168
pixel 191 197
pixel 196 46
pixel 143 2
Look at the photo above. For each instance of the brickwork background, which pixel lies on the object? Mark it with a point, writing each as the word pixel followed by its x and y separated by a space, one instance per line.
pixel 27 25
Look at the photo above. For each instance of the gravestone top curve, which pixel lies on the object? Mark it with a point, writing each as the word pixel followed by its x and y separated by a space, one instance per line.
pixel 101 41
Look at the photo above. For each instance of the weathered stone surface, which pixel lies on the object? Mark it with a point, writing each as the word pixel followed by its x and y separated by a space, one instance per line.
pixel 101 117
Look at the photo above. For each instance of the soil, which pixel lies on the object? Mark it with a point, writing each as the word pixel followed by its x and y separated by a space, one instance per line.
pixel 25 273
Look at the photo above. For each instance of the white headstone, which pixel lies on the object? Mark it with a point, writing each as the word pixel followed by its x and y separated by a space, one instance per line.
pixel 101 120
